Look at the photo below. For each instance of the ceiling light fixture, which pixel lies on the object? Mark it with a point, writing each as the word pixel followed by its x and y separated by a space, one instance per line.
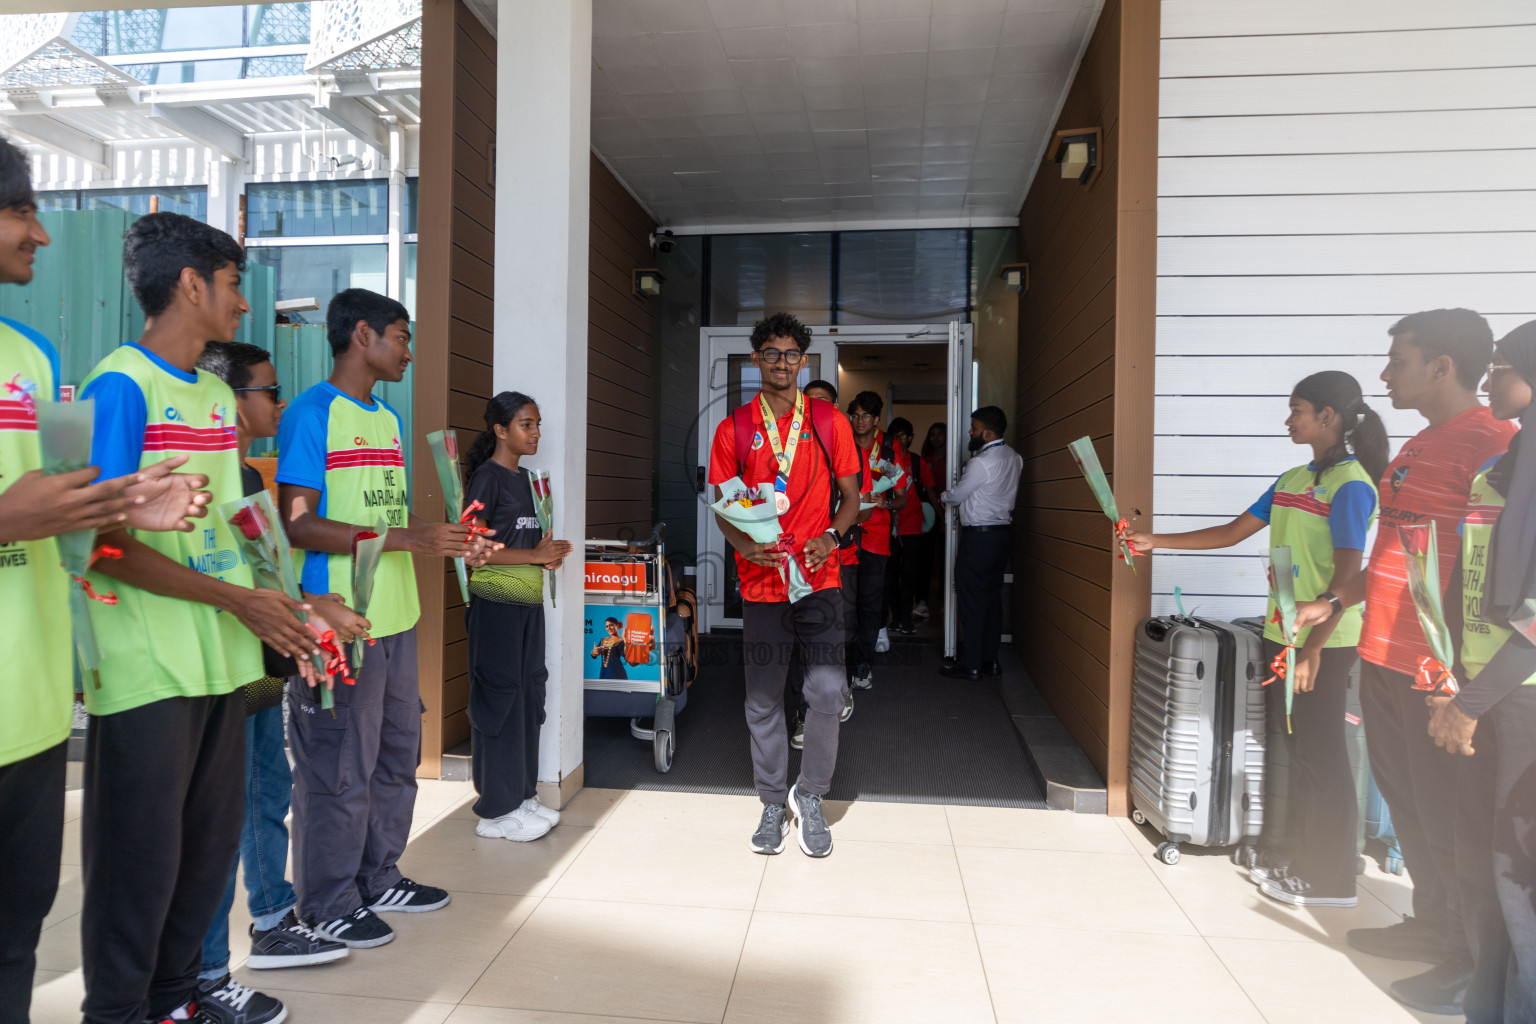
pixel 1077 151
pixel 1016 276
pixel 648 282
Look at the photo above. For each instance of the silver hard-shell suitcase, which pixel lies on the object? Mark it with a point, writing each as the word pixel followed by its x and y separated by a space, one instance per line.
pixel 1197 732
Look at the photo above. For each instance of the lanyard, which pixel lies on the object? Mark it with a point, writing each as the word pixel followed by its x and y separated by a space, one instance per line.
pixel 784 456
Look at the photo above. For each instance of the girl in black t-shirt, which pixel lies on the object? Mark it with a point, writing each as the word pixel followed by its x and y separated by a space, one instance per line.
pixel 505 623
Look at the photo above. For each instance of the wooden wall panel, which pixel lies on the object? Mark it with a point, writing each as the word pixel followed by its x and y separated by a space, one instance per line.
pixel 455 307
pixel 621 362
pixel 1085 367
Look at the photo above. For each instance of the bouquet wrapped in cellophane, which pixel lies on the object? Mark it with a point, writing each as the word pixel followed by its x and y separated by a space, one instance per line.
pixel 445 456
pixel 1421 555
pixel 752 512
pixel 544 508
pixel 264 546
pixel 1087 460
pixel 64 434
pixel 367 547
pixel 884 475
pixel 1281 571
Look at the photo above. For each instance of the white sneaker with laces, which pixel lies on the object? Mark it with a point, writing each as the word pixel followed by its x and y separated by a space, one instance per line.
pixel 882 642
pixel 549 814
pixel 520 826
pixel 920 610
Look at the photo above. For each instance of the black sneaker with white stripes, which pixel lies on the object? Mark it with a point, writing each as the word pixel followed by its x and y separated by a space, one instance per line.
pixel 226 1001
pixel 361 929
pixel 291 943
pixel 409 897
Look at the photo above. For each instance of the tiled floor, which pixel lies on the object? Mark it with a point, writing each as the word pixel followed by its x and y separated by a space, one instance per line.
pixel 649 906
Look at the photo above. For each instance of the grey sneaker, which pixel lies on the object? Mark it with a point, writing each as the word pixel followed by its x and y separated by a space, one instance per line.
pixel 863 678
pixel 811 826
pixel 1258 876
pixel 797 734
pixel 847 706
pixel 772 827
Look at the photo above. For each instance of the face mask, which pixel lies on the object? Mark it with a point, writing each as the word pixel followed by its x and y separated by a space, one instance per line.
pixel 975 445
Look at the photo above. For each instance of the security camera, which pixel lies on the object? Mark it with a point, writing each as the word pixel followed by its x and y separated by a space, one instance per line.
pixel 663 242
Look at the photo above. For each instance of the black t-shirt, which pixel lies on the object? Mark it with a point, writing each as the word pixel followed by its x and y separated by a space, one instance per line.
pixel 277 666
pixel 508 500
pixel 250 480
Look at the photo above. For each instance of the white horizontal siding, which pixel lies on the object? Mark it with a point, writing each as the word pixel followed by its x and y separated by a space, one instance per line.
pixel 1288 17
pixel 1325 168
pixel 1251 95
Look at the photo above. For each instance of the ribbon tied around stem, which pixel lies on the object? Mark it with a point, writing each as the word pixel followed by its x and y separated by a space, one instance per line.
pixel 468 518
pixel 1278 665
pixel 1123 534
pixel 335 660
pixel 1434 677
pixel 103 551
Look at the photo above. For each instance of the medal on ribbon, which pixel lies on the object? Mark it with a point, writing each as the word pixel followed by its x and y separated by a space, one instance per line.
pixel 784 456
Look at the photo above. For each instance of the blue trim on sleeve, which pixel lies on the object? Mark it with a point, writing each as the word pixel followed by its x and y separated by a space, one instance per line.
pixel 1349 516
pixel 1262 508
pixel 301 438
pixel 117 437
pixel 46 346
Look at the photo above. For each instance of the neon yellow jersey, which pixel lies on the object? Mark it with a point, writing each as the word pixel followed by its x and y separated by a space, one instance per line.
pixel 1313 519
pixel 37 692
pixel 351 453
pixel 1480 638
pixel 154 647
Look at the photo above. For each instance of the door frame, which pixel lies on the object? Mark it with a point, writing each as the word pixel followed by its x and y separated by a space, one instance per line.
pixel 718 344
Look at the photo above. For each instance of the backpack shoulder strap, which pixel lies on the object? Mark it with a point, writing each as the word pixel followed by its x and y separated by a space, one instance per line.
pixel 741 417
pixel 824 425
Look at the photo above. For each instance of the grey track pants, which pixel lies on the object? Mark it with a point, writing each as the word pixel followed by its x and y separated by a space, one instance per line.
pixel 773 635
pixel 354 781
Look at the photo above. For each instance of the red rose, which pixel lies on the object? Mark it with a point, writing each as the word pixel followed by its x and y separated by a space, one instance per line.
pixel 250 522
pixel 362 535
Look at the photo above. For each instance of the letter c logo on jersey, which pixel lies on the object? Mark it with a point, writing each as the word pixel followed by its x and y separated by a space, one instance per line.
pixel 172 415
pixel 361 442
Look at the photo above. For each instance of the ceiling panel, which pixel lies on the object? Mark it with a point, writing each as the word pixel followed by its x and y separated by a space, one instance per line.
pixel 743 114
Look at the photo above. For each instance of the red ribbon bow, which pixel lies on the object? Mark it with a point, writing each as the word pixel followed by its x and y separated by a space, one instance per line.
pixel 336 661
pixel 1435 677
pixel 1277 666
pixel 104 551
pixel 1123 534
pixel 468 518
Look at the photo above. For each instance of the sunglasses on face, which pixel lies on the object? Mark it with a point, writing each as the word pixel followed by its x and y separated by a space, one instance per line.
pixel 274 390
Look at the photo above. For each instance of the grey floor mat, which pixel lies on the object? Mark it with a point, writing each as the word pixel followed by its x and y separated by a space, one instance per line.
pixel 915 738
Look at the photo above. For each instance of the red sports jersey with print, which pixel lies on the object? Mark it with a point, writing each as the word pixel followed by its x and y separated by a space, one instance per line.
pixel 1430 479
pixel 850 554
pixel 876 537
pixel 909 521
pixel 809 490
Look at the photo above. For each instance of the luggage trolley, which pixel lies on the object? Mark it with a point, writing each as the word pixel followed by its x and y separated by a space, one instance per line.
pixel 632 662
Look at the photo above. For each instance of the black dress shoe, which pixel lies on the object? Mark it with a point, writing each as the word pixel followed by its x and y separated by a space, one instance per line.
pixel 992 668
pixel 955 670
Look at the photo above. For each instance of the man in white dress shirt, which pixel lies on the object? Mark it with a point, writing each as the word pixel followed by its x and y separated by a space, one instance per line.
pixel 985 496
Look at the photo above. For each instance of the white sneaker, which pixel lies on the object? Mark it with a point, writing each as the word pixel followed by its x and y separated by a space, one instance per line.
pixel 549 814
pixel 920 610
pixel 520 826
pixel 882 642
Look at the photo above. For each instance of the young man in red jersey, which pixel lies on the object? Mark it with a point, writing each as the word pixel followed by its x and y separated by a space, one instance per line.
pixel 805 450
pixel 1436 361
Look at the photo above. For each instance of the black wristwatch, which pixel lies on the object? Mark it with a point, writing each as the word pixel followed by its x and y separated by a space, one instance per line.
pixel 1333 599
pixel 837 538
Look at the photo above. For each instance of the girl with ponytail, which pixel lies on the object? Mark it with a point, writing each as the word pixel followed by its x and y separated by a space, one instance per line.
pixel 1322 510
pixel 505 624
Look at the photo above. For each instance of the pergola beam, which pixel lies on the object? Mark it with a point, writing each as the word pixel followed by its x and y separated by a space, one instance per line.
pixel 354 118
pixel 203 128
pixel 45 131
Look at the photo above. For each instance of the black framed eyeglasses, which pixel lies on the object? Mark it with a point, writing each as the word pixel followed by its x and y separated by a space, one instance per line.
pixel 792 357
pixel 274 390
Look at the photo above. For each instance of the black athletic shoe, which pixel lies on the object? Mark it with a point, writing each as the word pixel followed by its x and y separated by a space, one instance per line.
pixel 955 670
pixel 772 827
pixel 292 943
pixel 1440 989
pixel 409 897
pixel 226 1001
pixel 992 668
pixel 1406 940
pixel 361 929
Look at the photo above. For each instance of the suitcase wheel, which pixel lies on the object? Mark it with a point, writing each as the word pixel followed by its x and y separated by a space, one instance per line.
pixel 1360 864
pixel 1394 864
pixel 1138 817
pixel 1168 853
